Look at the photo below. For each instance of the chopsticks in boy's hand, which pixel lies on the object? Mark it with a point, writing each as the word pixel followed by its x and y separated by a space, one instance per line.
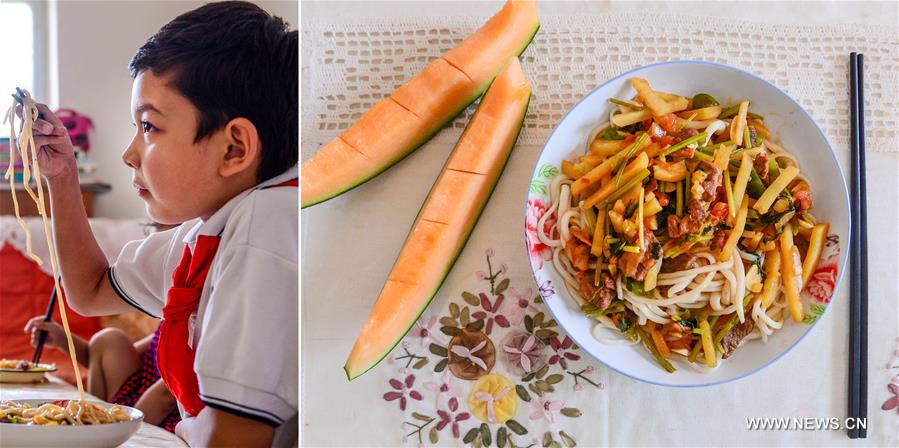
pixel 858 288
pixel 42 335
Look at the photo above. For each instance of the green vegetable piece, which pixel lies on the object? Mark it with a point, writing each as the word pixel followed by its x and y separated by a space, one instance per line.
pixel 647 342
pixel 625 103
pixel 612 133
pixel 683 143
pixel 701 100
pixel 755 188
pixel 773 170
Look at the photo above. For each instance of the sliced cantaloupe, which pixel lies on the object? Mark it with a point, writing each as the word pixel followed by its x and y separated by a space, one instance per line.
pixel 398 125
pixel 394 125
pixel 446 219
pixel 507 33
pixel 336 157
pixel 435 93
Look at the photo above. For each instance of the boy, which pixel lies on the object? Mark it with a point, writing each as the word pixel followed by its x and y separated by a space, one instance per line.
pixel 214 100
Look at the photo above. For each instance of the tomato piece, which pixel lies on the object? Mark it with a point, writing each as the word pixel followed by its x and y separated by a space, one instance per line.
pixel 802 199
pixel 667 121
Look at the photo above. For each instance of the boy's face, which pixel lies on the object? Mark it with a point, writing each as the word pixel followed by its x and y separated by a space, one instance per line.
pixel 176 177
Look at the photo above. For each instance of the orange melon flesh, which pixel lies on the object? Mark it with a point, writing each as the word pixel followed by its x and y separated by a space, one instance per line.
pixel 447 218
pixel 434 93
pixel 336 157
pixel 392 123
pixel 506 33
pixel 416 111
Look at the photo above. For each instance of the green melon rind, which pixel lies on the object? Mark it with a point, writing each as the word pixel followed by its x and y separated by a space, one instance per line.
pixel 380 169
pixel 495 181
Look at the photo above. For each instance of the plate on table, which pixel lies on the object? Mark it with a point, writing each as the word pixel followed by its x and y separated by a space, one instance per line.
pixel 32 373
pixel 99 435
pixel 788 122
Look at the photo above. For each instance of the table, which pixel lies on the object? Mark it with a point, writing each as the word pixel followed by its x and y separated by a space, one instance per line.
pixel 350 242
pixel 55 389
pixel 28 207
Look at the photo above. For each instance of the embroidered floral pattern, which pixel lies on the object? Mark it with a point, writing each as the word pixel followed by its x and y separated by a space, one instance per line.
pixel 494 321
pixel 564 349
pixel 402 390
pixel 522 352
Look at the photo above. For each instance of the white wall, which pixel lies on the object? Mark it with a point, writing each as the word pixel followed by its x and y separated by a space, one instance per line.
pixel 96 39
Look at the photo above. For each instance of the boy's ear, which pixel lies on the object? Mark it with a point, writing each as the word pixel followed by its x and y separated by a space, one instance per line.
pixel 243 147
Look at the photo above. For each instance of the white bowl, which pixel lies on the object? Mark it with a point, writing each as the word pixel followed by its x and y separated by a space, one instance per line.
pixel 105 435
pixel 35 375
pixel 799 134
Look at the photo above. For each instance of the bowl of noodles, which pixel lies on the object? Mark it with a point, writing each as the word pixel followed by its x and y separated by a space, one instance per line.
pixel 23 371
pixel 70 423
pixel 687 223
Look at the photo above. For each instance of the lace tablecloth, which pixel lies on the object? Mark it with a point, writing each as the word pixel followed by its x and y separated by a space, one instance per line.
pixel 419 395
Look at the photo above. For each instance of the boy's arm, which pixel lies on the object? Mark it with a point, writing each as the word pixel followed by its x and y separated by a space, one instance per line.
pixel 212 427
pixel 82 263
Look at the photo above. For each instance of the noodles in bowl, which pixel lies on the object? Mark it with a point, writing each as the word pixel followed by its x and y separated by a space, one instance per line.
pixel 67 412
pixel 686 229
pixel 69 423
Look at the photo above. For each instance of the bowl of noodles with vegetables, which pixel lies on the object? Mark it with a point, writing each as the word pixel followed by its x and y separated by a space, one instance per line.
pixel 67 423
pixel 687 223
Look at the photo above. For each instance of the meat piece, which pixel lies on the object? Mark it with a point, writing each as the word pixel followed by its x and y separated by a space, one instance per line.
pixel 686 133
pixel 752 135
pixel 694 221
pixel 680 263
pixel 600 296
pixel 24 365
pixel 736 335
pixel 651 186
pixel 682 154
pixel 578 253
pixel 712 182
pixel 760 164
pixel 636 265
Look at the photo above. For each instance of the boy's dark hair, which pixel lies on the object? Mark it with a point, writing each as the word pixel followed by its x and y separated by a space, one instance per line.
pixel 233 59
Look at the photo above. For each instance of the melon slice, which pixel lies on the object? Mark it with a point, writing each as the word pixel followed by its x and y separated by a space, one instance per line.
pixel 446 219
pixel 401 123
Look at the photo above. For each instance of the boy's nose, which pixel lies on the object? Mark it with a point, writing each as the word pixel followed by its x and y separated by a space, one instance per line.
pixel 131 157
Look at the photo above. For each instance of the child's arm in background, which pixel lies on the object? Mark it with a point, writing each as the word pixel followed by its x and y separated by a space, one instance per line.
pixel 82 263
pixel 156 403
pixel 213 427
pixel 56 338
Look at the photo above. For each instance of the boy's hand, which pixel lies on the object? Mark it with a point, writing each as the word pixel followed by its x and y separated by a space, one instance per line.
pixel 55 152
pixel 56 336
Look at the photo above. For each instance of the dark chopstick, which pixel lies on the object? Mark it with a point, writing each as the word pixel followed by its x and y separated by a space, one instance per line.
pixel 858 383
pixel 863 250
pixel 42 336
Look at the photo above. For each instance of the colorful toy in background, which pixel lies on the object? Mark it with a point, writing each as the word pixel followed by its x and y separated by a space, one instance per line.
pixel 79 127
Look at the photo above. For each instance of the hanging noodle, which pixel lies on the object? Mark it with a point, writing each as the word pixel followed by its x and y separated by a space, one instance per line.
pixel 75 412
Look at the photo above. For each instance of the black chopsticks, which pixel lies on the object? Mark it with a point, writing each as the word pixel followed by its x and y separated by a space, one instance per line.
pixel 42 336
pixel 858 281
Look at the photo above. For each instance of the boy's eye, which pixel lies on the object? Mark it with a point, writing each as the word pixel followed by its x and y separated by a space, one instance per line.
pixel 146 126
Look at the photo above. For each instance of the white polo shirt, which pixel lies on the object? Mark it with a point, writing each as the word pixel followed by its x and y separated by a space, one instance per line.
pixel 244 332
